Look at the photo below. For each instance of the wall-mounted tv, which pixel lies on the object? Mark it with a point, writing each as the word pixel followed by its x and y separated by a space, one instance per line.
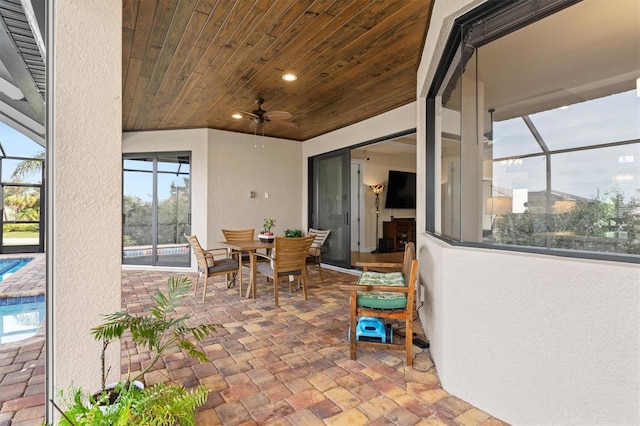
pixel 401 190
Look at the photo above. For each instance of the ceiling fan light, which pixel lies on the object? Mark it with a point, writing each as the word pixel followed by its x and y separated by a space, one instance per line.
pixel 237 116
pixel 289 77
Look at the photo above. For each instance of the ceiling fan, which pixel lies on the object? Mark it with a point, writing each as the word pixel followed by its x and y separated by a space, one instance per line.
pixel 260 117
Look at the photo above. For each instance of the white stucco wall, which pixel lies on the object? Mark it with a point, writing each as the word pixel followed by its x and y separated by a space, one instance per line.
pixel 225 167
pixel 531 339
pixel 534 339
pixel 84 169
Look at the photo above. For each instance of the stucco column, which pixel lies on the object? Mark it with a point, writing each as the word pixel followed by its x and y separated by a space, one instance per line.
pixel 84 133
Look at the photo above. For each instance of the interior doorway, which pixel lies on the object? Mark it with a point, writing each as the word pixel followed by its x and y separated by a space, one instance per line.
pixel 374 161
pixel 332 182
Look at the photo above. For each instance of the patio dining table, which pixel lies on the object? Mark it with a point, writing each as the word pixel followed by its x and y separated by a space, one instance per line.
pixel 246 246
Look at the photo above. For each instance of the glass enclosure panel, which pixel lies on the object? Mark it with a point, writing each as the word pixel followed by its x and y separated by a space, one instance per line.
pixel 595 201
pixel 511 138
pixel 450 151
pixel 21 215
pixel 15 144
pixel 173 212
pixel 138 212
pixel 612 118
pixel 156 209
pixel 517 208
pixel 21 170
pixel 331 204
pixel 21 166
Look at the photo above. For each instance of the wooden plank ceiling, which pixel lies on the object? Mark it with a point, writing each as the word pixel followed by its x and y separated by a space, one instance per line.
pixel 191 64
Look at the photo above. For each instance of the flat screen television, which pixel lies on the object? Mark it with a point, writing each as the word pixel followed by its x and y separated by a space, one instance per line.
pixel 401 190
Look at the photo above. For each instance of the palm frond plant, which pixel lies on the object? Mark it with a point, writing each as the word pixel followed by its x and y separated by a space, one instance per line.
pixel 158 331
pixel 160 404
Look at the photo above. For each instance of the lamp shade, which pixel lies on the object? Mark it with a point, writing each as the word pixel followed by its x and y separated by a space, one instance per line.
pixel 377 189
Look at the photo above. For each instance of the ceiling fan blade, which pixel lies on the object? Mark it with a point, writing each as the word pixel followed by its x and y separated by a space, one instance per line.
pixel 284 123
pixel 277 115
pixel 248 114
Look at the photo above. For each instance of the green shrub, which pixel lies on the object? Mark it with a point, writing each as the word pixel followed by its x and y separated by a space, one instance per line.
pixel 20 227
pixel 293 233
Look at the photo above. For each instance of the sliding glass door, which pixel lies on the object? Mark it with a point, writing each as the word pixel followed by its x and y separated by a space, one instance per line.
pixel 156 209
pixel 330 203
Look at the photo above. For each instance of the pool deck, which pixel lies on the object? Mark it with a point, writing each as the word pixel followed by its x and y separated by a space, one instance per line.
pixel 22 371
pixel 28 281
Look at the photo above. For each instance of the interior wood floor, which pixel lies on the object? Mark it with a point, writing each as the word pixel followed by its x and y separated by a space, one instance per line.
pixel 376 257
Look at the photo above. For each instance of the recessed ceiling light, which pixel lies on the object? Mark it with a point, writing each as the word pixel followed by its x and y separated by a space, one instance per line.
pixel 237 116
pixel 289 77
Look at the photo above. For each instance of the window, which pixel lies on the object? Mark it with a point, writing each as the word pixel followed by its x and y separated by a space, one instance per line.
pixel 538 141
pixel 156 208
pixel 21 189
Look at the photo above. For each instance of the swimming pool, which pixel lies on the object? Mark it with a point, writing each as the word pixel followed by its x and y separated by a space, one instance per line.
pixel 11 265
pixel 20 317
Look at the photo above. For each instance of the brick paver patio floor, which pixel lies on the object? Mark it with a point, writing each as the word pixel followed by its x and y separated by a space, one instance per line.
pixel 269 366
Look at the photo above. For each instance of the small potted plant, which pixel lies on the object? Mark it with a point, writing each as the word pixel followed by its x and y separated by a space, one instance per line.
pixel 293 233
pixel 158 330
pixel 265 233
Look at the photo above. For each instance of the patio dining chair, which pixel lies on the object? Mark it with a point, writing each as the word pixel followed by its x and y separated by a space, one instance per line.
pixel 212 263
pixel 315 252
pixel 233 235
pixel 287 261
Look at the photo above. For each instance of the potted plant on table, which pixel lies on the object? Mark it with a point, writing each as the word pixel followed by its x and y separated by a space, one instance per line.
pixel 158 331
pixel 265 233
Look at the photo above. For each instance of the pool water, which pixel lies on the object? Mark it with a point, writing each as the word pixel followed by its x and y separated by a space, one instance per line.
pixel 9 266
pixel 20 317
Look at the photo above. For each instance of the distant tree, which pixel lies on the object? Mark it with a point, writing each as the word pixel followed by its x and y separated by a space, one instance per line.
pixel 28 167
pixel 605 224
pixel 21 203
pixel 137 221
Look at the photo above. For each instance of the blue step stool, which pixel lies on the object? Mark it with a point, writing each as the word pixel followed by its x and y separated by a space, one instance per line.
pixel 371 329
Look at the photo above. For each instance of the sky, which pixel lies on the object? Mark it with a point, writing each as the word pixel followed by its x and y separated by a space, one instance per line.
pixel 16 144
pixel 587 173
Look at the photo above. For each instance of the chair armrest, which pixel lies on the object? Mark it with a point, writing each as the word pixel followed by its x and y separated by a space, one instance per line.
pixel 366 265
pixel 219 249
pixel 385 288
pixel 265 256
pixel 218 252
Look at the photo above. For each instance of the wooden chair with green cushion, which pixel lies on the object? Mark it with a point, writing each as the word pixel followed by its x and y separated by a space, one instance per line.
pixel 209 266
pixel 315 252
pixel 387 295
pixel 287 261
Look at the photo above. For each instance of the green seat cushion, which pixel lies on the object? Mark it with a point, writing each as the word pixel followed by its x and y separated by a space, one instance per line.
pixel 382 299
